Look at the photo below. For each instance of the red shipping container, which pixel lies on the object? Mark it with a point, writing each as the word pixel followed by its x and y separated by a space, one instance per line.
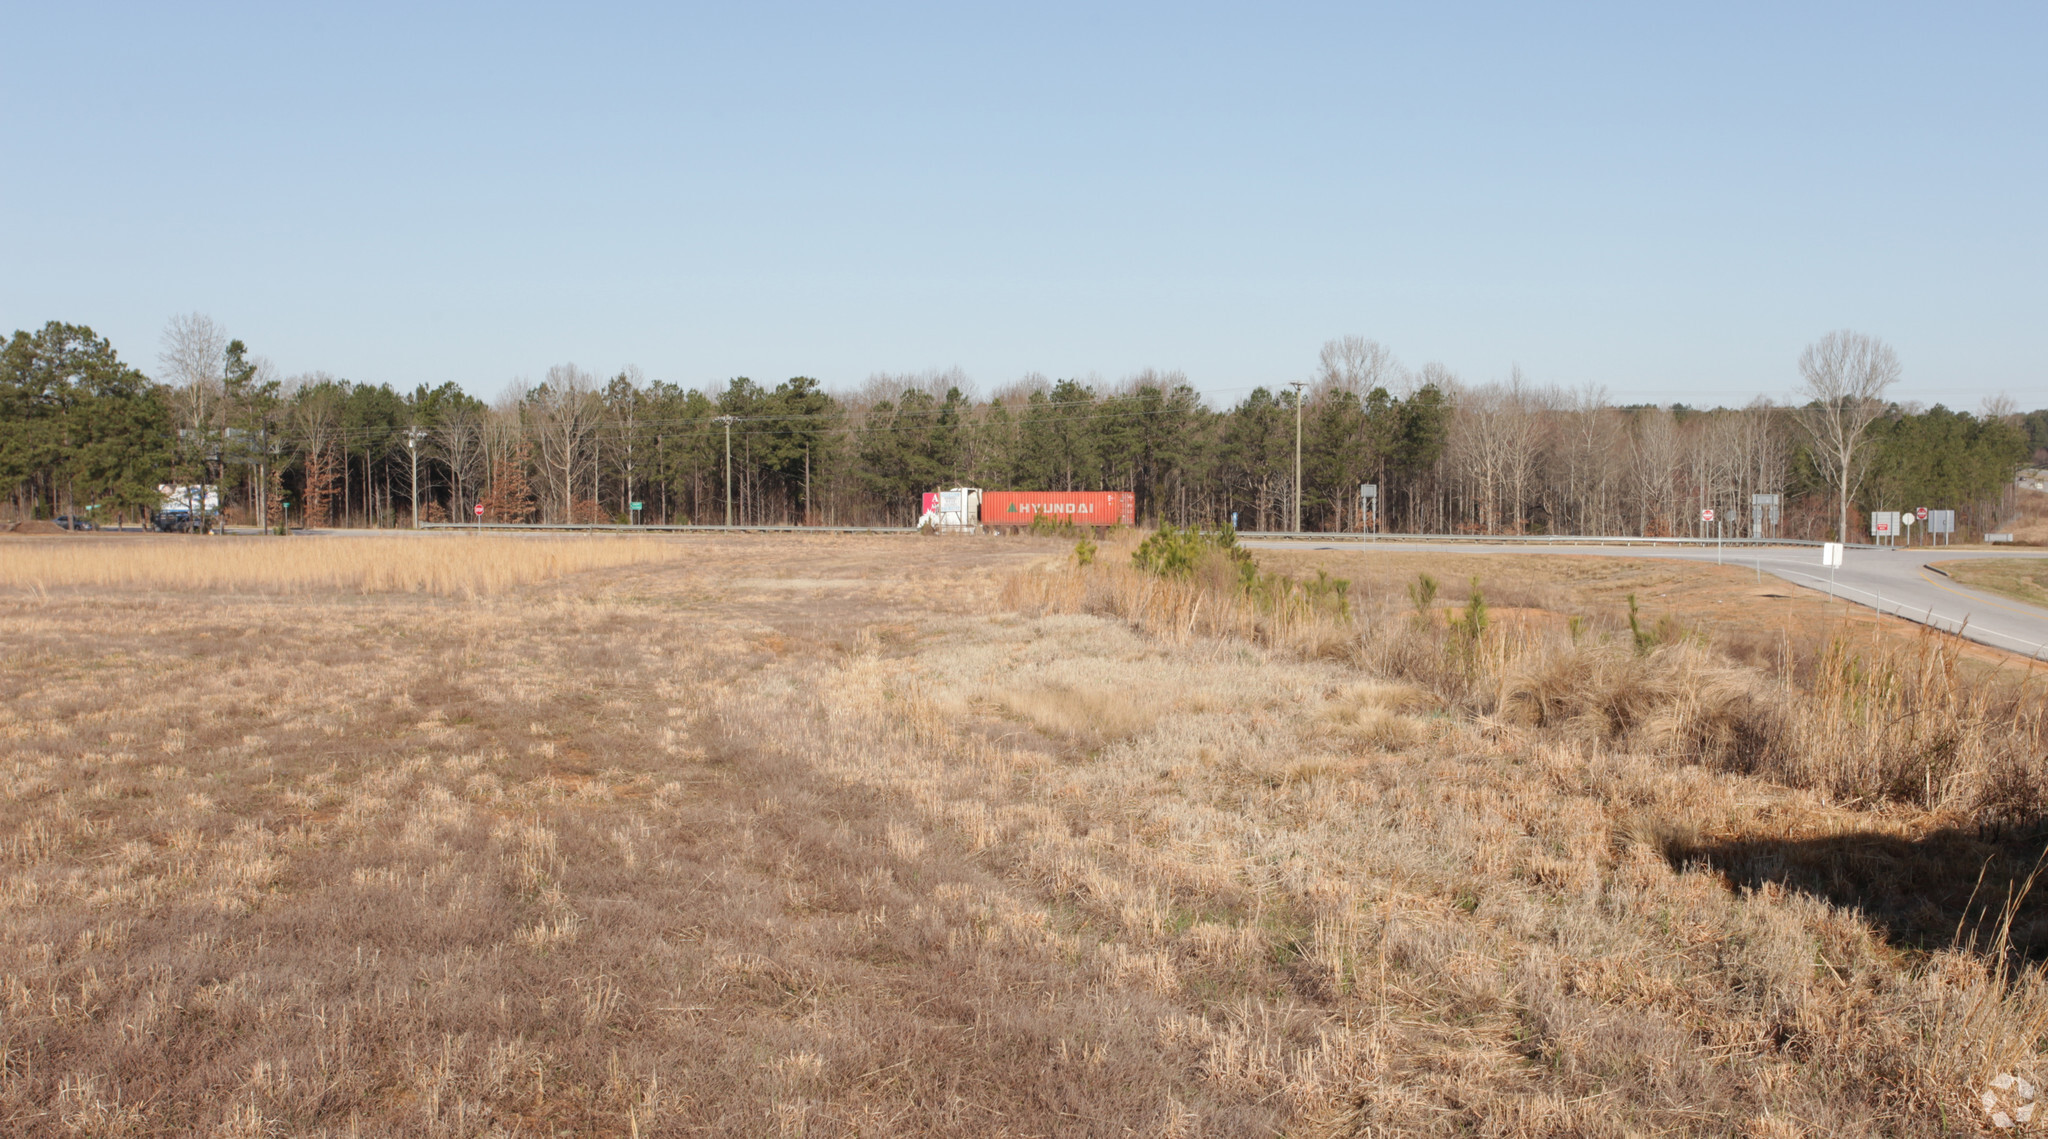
pixel 1010 509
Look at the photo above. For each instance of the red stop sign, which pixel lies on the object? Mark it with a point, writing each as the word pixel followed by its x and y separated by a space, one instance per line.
pixel 479 510
pixel 1921 514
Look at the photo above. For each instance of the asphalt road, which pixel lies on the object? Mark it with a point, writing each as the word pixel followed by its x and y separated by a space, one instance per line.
pixel 1896 581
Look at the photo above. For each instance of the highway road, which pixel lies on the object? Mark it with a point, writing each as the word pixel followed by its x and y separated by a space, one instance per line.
pixel 1892 581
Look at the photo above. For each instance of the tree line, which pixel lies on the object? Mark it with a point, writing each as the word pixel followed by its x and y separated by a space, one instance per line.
pixel 79 427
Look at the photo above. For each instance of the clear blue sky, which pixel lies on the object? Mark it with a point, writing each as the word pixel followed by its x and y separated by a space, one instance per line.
pixel 1668 201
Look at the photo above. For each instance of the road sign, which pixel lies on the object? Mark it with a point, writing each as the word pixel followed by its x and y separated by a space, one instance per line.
pixel 636 506
pixel 1707 515
pixel 1941 522
pixel 479 510
pixel 1905 521
pixel 1921 514
pixel 1763 512
pixel 1884 523
pixel 1831 554
pixel 1368 490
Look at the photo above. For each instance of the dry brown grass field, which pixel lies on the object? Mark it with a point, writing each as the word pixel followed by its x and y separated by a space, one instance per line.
pixel 902 836
pixel 454 565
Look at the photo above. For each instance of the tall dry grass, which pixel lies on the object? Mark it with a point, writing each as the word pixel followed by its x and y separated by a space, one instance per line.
pixel 1862 721
pixel 1842 803
pixel 448 565
pixel 1208 603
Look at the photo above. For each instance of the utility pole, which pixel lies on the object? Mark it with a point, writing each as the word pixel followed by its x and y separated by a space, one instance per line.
pixel 412 443
pixel 727 420
pixel 1297 386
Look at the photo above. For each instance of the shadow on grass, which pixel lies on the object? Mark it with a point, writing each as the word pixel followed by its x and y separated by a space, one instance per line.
pixel 1949 888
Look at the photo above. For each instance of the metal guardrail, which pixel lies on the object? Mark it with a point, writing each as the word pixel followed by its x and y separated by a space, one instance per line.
pixel 615 527
pixel 1534 539
pixel 1263 535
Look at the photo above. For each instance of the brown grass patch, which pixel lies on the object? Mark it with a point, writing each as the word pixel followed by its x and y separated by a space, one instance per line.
pixel 448 565
pixel 2022 579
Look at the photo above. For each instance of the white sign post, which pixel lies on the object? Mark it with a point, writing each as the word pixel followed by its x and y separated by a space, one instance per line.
pixel 1831 557
pixel 1368 504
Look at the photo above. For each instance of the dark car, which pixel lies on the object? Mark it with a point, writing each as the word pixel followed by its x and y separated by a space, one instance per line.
pixel 74 522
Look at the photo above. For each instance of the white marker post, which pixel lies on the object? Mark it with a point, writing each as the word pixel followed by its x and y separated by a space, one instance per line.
pixel 1831 557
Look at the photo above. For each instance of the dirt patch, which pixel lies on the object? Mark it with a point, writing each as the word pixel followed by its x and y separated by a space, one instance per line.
pixel 32 528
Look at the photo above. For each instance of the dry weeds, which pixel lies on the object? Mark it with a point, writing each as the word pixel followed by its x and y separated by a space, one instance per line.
pixel 2029 521
pixel 810 837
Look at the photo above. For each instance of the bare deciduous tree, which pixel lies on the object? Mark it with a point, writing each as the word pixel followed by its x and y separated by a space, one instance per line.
pixel 1846 375
pixel 566 410
pixel 1591 440
pixel 1766 457
pixel 1356 365
pixel 192 354
pixel 1497 442
pixel 316 420
pixel 459 441
pixel 1654 454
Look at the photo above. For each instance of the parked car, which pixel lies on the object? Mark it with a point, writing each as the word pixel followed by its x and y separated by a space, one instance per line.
pixel 185 509
pixel 74 522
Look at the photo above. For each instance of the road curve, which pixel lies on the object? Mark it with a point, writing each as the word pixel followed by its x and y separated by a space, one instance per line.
pixel 1892 581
